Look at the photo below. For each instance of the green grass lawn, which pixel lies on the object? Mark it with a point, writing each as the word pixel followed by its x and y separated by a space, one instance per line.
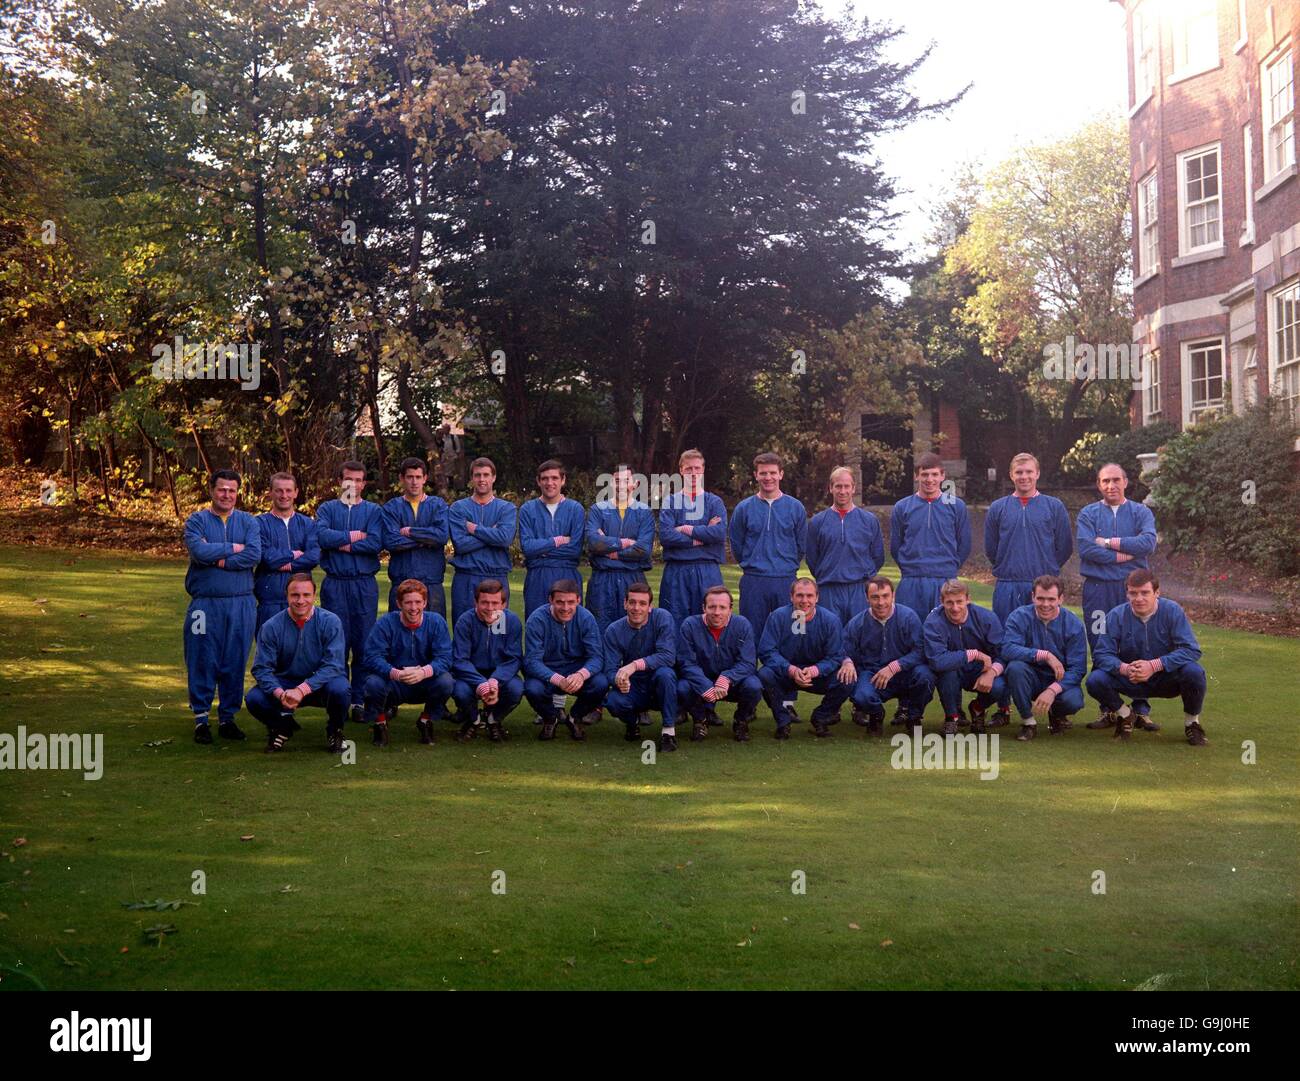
pixel 620 874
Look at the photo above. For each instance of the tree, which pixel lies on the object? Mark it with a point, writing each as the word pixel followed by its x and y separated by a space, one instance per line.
pixel 1048 249
pixel 692 188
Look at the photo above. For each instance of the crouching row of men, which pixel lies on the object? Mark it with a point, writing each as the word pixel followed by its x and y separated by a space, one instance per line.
pixel 645 663
pixel 1037 661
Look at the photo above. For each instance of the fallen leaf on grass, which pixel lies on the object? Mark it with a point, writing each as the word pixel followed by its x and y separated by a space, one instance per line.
pixel 745 943
pixel 289 889
pixel 572 962
pixel 248 837
pixel 158 743
pixel 159 931
pixel 19 842
pixel 125 949
pixel 41 600
pixel 854 927
pixel 66 959
pixel 887 942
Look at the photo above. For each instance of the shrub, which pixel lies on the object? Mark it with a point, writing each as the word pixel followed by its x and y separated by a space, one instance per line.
pixel 1228 487
pixel 1081 462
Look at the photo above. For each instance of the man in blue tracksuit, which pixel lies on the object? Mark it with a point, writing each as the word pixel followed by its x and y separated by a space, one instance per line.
pixel 289 547
pixel 552 529
pixel 929 537
pixel 299 662
pixel 620 540
pixel 768 533
pixel 1148 649
pixel 640 655
pixel 563 654
pixel 1045 653
pixel 1026 534
pixel 693 536
pixel 802 648
pixel 482 531
pixel 884 658
pixel 717 661
pixel 1116 536
pixel 963 642
pixel 487 653
pixel 351 536
pixel 225 546
pixel 408 659
pixel 415 534
pixel 845 548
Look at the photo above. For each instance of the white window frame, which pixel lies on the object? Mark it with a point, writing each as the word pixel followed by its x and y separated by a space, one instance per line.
pixel 1242 36
pixel 1284 346
pixel 1146 54
pixel 1250 376
pixel 1184 207
pixel 1248 157
pixel 1152 406
pixel 1148 206
pixel 1277 112
pixel 1192 410
pixel 1187 15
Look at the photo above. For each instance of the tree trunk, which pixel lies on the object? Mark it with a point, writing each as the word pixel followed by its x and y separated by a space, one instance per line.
pixel 198 446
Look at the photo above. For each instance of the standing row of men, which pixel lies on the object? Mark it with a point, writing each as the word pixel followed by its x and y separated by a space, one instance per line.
pixel 240 566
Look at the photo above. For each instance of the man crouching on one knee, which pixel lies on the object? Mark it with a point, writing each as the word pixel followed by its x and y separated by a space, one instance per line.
pixel 1148 650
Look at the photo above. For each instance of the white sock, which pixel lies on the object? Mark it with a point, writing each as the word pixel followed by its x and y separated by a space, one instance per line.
pixel 670 730
pixel 1125 711
pixel 1031 721
pixel 1189 718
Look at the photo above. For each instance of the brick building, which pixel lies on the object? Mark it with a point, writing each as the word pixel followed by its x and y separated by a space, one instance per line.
pixel 1215 203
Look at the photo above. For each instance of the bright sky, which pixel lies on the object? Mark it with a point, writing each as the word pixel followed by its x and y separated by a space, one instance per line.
pixel 1038 69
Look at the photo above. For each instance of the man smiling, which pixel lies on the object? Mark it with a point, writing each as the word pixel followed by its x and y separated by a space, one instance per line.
pixel 1026 534
pixel 962 643
pixel 718 662
pixel 768 533
pixel 802 647
pixel 225 546
pixel 1148 650
pixel 1046 654
pixel 563 655
pixel 884 658
pixel 289 547
pixel 482 530
pixel 640 651
pixel 929 537
pixel 299 663
pixel 408 658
